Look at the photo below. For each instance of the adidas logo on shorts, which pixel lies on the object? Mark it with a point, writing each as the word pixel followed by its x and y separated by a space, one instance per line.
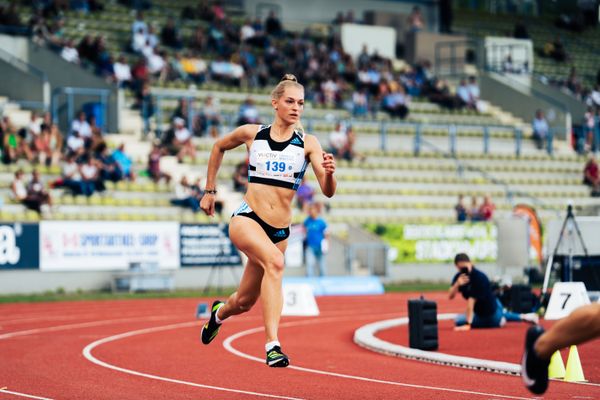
pixel 280 233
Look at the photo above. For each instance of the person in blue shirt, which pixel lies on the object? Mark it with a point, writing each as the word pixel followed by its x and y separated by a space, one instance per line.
pixel 484 309
pixel 124 161
pixel 316 233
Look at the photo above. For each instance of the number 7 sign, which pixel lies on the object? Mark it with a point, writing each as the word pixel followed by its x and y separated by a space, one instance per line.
pixel 566 297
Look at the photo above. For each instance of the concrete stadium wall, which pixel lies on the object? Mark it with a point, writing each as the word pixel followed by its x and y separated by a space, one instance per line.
pixel 59 72
pixel 307 12
pixel 522 102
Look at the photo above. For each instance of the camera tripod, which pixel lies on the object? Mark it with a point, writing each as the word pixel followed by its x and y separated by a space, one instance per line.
pixel 567 270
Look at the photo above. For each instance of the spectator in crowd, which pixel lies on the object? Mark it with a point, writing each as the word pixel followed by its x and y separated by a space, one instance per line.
pixel 210 117
pixel 70 176
pixel 464 95
pixel 76 144
pixel 360 103
pixel 589 127
pixel 181 111
pixel 181 143
pixel 461 210
pixel 37 195
pixel 248 113
pixel 305 195
pixel 18 188
pixel 122 73
pixel 591 174
pixel 41 145
pixel 484 309
pixel 395 103
pixel 240 177
pixel 556 50
pixel 138 41
pixel 341 141
pixel 55 143
pixel 154 171
pixel 13 146
pixel 186 196
pixel 415 20
pixel 540 129
pixel 474 210
pixel 81 125
pixel 486 211
pixel 91 180
pixel 69 53
pixel 316 235
pixel 110 170
pixel 169 35
pixel 474 93
pixel 273 25
pixel 124 161
pixel 139 24
pixel 593 99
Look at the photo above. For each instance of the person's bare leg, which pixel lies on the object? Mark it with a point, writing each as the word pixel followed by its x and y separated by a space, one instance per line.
pixel 582 325
pixel 249 237
pixel 272 296
pixel 248 292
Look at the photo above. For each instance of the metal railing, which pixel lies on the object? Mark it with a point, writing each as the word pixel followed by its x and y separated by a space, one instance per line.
pixel 29 69
pixel 509 192
pixel 71 93
pixel 419 128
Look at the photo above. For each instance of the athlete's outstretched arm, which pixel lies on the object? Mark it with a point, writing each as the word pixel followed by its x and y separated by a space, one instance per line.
pixel 323 165
pixel 241 135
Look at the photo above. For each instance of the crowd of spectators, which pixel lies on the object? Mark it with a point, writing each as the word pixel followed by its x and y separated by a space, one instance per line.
pixel 475 212
pixel 253 54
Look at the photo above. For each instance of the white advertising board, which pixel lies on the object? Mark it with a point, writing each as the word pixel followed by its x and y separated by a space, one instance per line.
pixel 107 245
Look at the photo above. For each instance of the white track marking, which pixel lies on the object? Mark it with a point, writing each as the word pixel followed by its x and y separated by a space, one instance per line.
pixel 87 353
pixel 29 396
pixel 228 346
pixel 81 325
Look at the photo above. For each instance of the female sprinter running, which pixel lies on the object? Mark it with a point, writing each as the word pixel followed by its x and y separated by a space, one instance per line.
pixel 278 156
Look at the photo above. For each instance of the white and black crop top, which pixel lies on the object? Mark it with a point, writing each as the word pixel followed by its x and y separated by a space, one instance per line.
pixel 277 163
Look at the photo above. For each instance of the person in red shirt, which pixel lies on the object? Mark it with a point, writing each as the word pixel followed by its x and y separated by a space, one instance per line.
pixel 591 174
pixel 486 211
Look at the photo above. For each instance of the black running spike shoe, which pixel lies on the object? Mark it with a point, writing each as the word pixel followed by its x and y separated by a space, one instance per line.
pixel 534 370
pixel 276 358
pixel 211 328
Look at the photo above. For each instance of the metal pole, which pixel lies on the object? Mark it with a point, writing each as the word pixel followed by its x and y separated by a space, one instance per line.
pixel 70 111
pixel 549 142
pixel 486 140
pixel 382 135
pixel 452 136
pixel 518 134
pixel 417 147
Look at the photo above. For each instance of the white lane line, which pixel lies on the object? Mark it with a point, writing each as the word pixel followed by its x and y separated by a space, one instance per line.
pixel 87 353
pixel 29 396
pixel 229 347
pixel 82 325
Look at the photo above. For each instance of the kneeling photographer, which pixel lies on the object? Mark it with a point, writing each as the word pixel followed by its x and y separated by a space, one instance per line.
pixel 484 310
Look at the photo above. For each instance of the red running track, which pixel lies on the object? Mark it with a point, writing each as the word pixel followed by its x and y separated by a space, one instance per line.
pixel 150 349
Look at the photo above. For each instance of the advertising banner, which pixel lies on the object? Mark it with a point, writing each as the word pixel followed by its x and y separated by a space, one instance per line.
pixel 19 246
pixel 107 245
pixel 207 245
pixel 437 243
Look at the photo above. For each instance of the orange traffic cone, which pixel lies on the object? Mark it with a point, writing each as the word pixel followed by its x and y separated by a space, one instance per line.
pixel 574 372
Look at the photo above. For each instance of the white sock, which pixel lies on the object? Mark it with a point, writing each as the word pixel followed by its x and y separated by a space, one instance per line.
pixel 272 344
pixel 217 319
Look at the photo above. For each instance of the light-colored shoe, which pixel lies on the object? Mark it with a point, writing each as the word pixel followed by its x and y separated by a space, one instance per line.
pixel 531 317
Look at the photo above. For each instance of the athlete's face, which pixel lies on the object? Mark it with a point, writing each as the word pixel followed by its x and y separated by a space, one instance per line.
pixel 290 105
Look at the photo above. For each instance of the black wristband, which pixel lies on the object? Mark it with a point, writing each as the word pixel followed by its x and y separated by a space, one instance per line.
pixel 213 191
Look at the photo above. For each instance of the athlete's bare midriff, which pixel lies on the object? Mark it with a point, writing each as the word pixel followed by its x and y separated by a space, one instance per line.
pixel 271 203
